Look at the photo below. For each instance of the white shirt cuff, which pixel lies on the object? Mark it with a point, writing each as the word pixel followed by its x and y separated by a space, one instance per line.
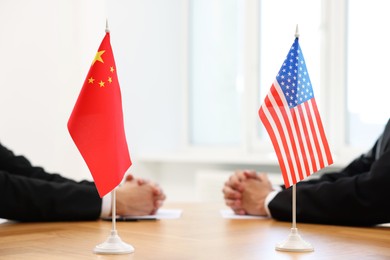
pixel 106 206
pixel 270 197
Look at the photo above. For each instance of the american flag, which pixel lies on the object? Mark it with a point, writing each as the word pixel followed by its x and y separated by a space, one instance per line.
pixel 290 115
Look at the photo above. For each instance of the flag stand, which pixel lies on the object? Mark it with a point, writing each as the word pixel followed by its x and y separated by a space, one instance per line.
pixel 294 242
pixel 113 244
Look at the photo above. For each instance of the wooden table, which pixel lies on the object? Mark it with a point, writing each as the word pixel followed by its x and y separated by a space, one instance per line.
pixel 200 233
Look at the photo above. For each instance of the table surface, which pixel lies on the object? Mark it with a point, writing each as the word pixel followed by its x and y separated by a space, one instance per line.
pixel 200 233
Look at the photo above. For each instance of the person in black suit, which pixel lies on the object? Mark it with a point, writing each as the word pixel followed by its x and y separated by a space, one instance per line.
pixel 28 193
pixel 358 195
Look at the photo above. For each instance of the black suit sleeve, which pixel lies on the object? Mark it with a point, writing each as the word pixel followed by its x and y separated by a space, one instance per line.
pixel 28 193
pixel 358 195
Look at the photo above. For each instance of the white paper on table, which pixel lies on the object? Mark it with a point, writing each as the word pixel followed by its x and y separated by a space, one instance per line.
pixel 229 214
pixel 387 225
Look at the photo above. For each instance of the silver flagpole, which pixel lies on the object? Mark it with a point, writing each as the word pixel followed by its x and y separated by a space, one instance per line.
pixel 294 207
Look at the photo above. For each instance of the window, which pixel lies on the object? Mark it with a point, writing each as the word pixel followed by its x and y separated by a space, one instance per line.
pixel 368 90
pixel 214 98
pixel 237 47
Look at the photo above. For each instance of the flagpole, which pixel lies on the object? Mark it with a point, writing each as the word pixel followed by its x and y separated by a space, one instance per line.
pixel 294 206
pixel 294 191
pixel 113 244
pixel 294 242
pixel 113 214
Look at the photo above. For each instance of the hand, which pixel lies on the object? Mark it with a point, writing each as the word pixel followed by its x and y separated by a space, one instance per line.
pixel 254 193
pixel 158 193
pixel 245 192
pixel 159 197
pixel 138 197
pixel 233 189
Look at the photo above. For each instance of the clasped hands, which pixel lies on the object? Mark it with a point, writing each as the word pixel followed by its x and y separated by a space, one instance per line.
pixel 138 197
pixel 245 192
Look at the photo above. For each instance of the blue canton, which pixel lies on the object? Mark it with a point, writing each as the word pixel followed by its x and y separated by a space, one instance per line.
pixel 293 77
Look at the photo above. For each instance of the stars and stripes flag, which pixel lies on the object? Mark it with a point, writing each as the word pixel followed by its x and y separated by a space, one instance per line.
pixel 96 123
pixel 291 117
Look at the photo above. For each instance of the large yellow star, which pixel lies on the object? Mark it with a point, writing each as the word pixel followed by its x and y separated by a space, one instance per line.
pixel 98 57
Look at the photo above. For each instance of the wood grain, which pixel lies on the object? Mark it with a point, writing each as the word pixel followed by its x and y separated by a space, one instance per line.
pixel 200 233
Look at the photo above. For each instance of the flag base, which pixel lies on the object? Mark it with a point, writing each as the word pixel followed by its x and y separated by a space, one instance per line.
pixel 113 245
pixel 294 243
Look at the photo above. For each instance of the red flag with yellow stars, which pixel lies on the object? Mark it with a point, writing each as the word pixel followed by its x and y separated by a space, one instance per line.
pixel 96 123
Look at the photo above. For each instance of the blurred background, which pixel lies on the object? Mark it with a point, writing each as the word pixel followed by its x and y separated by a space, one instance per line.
pixel 193 74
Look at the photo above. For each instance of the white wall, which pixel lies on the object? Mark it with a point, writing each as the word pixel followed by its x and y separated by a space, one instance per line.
pixel 40 68
pixel 47 47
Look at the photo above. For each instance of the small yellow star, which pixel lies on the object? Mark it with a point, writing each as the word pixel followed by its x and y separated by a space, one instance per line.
pixel 110 79
pixel 101 83
pixel 91 80
pixel 98 57
pixel 112 69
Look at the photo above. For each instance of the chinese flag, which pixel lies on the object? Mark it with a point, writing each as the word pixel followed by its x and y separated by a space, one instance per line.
pixel 96 123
